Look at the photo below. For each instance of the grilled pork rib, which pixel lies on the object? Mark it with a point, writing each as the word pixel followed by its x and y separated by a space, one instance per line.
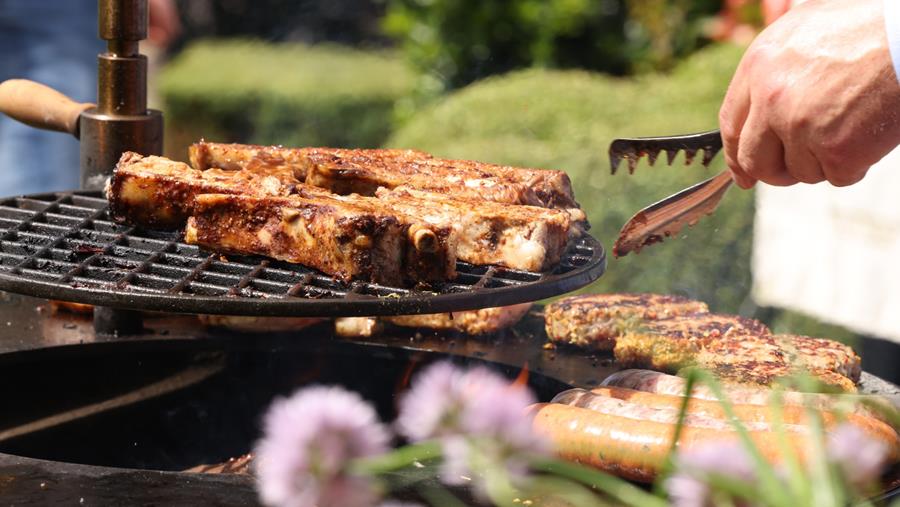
pixel 519 237
pixel 160 193
pixel 234 157
pixel 346 171
pixel 341 240
pixel 471 322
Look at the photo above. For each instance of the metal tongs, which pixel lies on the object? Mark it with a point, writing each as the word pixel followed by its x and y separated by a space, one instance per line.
pixel 668 216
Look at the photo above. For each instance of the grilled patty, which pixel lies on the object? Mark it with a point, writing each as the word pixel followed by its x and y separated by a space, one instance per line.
pixel 820 354
pixel 671 344
pixel 595 320
pixel 668 333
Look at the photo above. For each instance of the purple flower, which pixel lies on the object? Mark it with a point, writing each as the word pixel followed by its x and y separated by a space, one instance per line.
pixel 689 486
pixel 309 440
pixel 860 457
pixel 433 406
pixel 475 414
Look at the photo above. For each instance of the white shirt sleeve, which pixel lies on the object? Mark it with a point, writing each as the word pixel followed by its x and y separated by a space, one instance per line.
pixel 892 25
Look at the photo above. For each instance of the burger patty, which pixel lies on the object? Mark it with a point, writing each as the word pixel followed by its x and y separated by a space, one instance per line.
pixel 669 333
pixel 595 320
pixel 671 344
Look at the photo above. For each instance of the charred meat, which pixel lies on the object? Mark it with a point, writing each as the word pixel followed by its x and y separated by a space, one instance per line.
pixel 343 241
pixel 594 320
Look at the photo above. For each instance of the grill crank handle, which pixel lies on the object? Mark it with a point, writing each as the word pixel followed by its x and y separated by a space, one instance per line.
pixel 40 106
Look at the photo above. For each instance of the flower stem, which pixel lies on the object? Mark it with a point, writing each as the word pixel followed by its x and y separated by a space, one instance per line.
pixel 401 457
pixel 616 488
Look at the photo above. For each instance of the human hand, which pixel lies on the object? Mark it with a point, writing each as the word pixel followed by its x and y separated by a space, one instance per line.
pixel 814 98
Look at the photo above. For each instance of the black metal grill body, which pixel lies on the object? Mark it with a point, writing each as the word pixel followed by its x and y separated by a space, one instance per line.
pixel 65 246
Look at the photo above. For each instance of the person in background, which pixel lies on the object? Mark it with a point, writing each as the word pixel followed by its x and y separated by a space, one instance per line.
pixel 54 42
pixel 816 100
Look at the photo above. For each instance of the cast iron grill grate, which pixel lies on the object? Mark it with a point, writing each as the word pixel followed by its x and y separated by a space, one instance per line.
pixel 65 246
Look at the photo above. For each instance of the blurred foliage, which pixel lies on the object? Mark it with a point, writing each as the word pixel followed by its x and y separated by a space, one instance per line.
pixel 281 94
pixel 455 42
pixel 353 22
pixel 662 31
pixel 566 120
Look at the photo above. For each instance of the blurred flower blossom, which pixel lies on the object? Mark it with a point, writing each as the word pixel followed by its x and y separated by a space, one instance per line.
pixel 392 503
pixel 473 412
pixel 309 440
pixel 689 486
pixel 860 457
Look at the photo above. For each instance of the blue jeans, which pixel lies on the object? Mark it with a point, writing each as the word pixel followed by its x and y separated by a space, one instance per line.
pixel 53 42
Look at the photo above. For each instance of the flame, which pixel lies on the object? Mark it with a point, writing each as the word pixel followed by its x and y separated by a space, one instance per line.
pixel 522 379
pixel 414 361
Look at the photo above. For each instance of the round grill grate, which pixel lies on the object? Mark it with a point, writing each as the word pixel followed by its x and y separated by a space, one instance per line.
pixel 64 246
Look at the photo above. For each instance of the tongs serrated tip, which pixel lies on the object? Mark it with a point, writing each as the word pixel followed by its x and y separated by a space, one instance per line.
pixel 668 216
pixel 633 149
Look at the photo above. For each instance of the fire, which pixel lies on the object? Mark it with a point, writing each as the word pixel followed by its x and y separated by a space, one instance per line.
pixel 522 379
pixel 407 373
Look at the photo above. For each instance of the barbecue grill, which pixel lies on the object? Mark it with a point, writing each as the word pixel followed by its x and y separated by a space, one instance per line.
pixel 111 409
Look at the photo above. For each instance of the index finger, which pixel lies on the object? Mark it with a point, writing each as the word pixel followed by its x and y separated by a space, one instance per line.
pixel 732 117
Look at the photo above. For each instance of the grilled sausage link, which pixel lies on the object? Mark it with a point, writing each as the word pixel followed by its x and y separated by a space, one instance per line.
pixel 630 448
pixel 660 383
pixel 661 414
pixel 790 414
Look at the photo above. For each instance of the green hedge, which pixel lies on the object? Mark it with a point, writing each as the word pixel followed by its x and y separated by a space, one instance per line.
pixel 282 94
pixel 566 120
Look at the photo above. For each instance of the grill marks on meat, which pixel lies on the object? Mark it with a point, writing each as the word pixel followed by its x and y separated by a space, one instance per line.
pixel 668 333
pixel 347 171
pixel 594 320
pixel 159 193
pixel 344 241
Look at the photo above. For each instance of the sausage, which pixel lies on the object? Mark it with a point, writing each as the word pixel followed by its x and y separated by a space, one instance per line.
pixel 660 383
pixel 663 384
pixel 661 414
pixel 791 415
pixel 629 448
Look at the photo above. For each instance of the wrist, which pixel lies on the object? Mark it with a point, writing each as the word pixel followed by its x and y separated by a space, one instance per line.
pixel 892 27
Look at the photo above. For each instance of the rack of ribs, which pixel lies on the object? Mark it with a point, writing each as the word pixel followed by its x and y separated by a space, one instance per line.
pixel 346 171
pixel 386 247
pixel 154 192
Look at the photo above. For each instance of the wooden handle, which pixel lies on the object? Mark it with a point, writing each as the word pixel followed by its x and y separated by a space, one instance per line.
pixel 40 106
